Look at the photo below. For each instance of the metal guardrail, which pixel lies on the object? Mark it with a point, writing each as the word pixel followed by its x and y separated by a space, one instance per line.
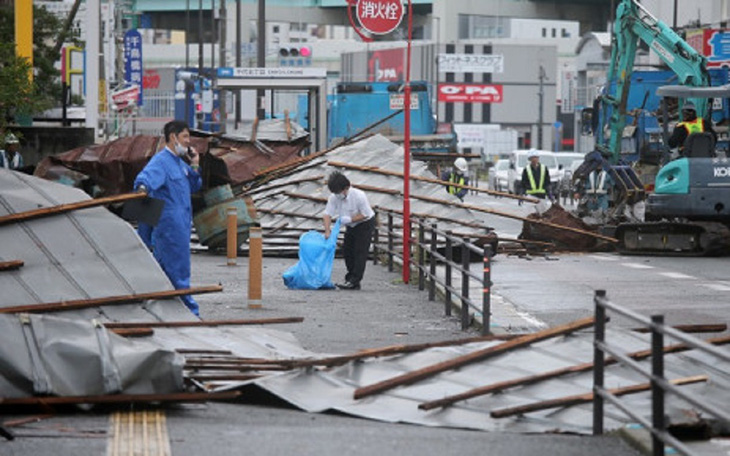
pixel 428 251
pixel 659 384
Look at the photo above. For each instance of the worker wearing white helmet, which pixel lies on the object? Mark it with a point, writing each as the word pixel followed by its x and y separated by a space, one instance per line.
pixel 457 176
pixel 536 177
pixel 10 157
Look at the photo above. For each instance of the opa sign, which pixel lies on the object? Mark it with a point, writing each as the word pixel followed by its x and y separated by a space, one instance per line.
pixel 470 93
pixel 379 16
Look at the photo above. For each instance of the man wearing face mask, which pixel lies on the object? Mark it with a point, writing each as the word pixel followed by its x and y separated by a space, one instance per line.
pixel 352 208
pixel 169 177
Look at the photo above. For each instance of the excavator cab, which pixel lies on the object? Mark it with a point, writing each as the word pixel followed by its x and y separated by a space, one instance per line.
pixel 689 209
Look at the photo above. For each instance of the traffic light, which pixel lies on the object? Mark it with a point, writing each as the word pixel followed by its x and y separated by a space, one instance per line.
pixel 295 55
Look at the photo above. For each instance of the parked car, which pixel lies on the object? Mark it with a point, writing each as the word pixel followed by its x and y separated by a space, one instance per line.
pixel 498 175
pixel 517 162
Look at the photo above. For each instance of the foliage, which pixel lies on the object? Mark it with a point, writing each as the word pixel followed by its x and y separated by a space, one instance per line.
pixel 18 95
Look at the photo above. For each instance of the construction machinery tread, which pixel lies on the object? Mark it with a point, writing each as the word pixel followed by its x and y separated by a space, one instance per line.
pixel 675 238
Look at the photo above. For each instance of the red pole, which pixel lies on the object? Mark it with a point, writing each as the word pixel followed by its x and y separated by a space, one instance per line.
pixel 407 158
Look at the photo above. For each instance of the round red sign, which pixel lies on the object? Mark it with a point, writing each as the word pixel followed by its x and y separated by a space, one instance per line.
pixel 379 16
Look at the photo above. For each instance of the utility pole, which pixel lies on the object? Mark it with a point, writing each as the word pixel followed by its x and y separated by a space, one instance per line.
pixel 222 116
pixel 540 95
pixel 261 56
pixel 238 60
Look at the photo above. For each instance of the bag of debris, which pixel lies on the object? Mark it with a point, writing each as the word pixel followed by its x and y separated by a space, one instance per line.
pixel 313 271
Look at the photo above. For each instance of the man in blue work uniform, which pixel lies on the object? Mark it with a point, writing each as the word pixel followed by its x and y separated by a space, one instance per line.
pixel 170 178
pixel 354 211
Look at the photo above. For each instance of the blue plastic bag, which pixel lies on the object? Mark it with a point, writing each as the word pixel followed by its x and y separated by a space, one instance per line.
pixel 313 271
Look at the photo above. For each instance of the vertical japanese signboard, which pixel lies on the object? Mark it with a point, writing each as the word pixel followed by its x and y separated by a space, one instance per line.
pixel 379 16
pixel 133 60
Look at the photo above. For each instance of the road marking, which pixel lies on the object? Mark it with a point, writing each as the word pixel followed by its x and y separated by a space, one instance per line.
pixel 677 275
pixel 637 265
pixel 141 432
pixel 603 257
pixel 716 286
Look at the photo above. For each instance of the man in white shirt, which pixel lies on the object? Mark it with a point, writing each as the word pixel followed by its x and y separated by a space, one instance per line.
pixel 351 207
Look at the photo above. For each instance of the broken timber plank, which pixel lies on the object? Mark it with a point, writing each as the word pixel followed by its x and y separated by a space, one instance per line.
pixel 568 401
pixel 516 217
pixel 11 265
pixel 117 399
pixel 185 324
pixel 63 208
pixel 109 300
pixel 387 172
pixel 532 379
pixel 479 355
pixel 700 328
pixel 413 214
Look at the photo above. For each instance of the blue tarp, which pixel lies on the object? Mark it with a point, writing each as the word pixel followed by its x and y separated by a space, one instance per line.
pixel 313 271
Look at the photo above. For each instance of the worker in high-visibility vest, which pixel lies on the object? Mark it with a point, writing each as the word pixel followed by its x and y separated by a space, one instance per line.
pixel 594 194
pixel 457 176
pixel 690 124
pixel 536 178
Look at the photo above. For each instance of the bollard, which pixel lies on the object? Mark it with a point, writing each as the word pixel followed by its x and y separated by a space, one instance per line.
pixel 254 267
pixel 232 235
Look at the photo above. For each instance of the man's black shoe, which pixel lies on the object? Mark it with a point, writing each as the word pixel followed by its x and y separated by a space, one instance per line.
pixel 348 286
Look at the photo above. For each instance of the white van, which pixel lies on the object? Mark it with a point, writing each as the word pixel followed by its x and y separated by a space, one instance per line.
pixel 518 160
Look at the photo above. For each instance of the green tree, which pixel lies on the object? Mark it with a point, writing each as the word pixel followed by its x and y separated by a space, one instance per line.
pixel 19 95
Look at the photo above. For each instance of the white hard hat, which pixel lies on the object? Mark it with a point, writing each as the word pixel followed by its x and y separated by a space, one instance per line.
pixel 533 153
pixel 460 164
pixel 11 139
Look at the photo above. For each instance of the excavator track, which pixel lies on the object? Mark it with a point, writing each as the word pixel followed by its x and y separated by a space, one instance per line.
pixel 673 238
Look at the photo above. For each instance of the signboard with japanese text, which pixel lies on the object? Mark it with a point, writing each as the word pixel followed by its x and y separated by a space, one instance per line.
pixel 133 60
pixel 379 16
pixel 470 63
pixel 272 72
pixel 396 101
pixel 713 44
pixel 469 93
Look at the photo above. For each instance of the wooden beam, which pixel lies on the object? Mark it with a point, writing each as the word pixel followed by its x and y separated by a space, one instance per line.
pixel 699 328
pixel 568 401
pixel 387 172
pixel 479 355
pixel 284 184
pixel 319 199
pixel 515 217
pixel 109 300
pixel 204 323
pixel 117 399
pixel 63 208
pixel 532 379
pixel 11 265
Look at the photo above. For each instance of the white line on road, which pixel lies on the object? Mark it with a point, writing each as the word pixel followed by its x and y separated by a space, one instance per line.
pixel 603 257
pixel 677 275
pixel 716 286
pixel 637 265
